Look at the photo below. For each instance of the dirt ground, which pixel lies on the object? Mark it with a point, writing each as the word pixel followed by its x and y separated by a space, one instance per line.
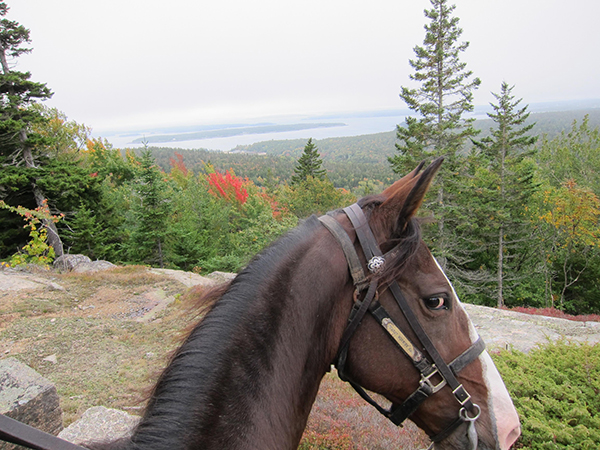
pixel 100 337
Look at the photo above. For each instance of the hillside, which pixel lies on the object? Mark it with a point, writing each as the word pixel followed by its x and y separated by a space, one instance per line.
pixel 375 148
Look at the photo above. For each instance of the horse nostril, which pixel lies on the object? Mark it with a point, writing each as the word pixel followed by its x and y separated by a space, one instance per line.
pixel 511 438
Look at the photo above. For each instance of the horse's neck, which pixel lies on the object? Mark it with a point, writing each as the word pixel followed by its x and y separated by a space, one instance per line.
pixel 247 376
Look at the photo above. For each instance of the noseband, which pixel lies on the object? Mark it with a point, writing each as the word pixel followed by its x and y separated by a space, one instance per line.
pixel 435 374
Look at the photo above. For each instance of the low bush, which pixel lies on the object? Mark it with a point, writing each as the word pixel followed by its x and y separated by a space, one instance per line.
pixel 556 390
pixel 341 420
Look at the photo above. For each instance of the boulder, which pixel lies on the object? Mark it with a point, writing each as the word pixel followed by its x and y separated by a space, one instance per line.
pixel 100 424
pixel 67 263
pixel 221 277
pixel 93 266
pixel 28 397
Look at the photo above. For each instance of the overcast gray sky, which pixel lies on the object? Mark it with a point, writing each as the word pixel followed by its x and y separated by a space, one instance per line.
pixel 122 64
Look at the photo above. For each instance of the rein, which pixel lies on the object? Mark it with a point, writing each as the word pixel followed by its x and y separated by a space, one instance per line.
pixel 435 375
pixel 15 432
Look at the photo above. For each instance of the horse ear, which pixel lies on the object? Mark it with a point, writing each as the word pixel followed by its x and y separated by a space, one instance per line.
pixel 417 184
pixel 400 186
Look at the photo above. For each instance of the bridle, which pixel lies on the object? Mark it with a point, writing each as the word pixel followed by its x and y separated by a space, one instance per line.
pixel 435 374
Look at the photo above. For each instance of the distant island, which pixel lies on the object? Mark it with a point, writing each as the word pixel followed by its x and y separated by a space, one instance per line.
pixel 228 132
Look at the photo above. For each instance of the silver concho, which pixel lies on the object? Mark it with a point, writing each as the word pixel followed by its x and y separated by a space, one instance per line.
pixel 376 263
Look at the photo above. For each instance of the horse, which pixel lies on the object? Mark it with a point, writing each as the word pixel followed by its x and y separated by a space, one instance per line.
pixel 246 376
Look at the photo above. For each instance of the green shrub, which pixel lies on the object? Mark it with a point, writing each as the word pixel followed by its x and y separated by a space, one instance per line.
pixel 556 390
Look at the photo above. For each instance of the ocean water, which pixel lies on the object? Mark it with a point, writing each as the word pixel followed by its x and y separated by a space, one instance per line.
pixel 354 126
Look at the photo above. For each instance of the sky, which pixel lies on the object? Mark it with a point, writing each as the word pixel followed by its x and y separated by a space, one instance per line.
pixel 135 64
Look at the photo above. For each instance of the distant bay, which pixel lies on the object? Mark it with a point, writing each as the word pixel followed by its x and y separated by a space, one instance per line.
pixel 229 132
pixel 351 126
pixel 226 137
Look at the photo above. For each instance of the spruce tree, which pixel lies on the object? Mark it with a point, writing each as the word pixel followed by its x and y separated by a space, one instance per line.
pixel 445 94
pixel 506 180
pixel 151 213
pixel 20 146
pixel 309 164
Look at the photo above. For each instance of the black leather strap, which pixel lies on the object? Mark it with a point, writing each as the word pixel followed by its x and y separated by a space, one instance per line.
pixel 363 231
pixel 359 310
pixel 467 357
pixel 399 413
pixel 19 433
pixel 356 269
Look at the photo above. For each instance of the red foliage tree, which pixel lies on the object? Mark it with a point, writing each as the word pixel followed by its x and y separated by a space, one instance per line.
pixel 228 186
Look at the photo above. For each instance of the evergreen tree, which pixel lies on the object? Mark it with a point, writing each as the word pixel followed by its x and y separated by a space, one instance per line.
pixel 83 234
pixel 20 146
pixel 505 182
pixel 309 164
pixel 445 94
pixel 151 214
pixel 313 196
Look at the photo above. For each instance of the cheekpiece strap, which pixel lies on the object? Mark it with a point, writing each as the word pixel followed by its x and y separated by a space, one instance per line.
pixel 356 269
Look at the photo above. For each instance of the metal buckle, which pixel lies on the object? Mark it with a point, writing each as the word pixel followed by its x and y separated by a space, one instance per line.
pixel 461 388
pixel 426 380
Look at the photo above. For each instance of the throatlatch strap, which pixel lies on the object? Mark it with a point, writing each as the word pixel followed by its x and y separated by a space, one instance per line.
pixel 359 309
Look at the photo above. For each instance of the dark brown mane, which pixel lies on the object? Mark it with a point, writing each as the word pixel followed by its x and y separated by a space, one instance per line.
pixel 212 375
pixel 198 300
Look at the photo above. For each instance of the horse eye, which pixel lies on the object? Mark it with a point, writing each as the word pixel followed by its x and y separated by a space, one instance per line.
pixel 436 303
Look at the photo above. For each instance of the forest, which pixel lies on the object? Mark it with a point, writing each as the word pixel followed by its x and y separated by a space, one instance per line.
pixel 513 217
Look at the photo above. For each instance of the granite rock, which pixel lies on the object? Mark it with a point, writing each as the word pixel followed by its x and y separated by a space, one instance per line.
pixel 100 424
pixel 28 397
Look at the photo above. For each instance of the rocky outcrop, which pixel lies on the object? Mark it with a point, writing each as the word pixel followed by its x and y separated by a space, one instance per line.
pixel 93 266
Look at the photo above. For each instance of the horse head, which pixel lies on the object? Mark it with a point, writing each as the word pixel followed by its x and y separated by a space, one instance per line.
pixel 463 404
